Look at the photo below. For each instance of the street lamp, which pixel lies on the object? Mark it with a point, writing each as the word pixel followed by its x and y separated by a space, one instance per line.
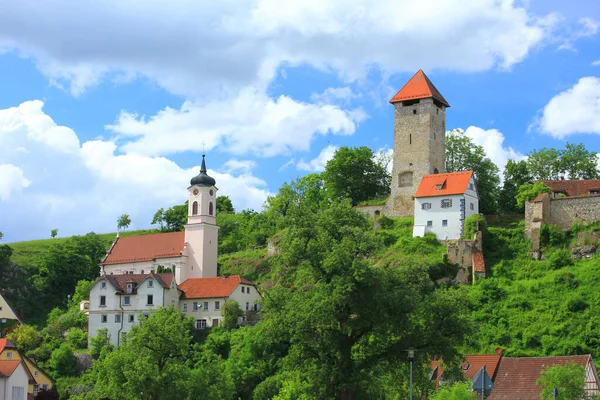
pixel 411 358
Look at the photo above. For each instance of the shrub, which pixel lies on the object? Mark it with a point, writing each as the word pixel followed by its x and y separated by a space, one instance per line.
pixel 551 235
pixel 63 361
pixel 99 343
pixel 529 191
pixel 576 305
pixel 560 258
pixel 567 279
pixel 471 225
pixel 385 222
pixel 77 338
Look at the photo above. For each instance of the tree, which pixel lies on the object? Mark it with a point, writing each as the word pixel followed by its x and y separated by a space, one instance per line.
pixel 77 338
pixel 231 313
pixel 100 343
pixel 580 163
pixel 545 164
pixel 53 233
pixel 529 191
pixel 1 235
pixel 172 219
pixel 568 379
pixel 81 293
pixel 123 222
pixel 454 391
pixel 516 173
pixel 354 173
pixel 63 361
pixel 25 337
pixel 224 205
pixel 464 155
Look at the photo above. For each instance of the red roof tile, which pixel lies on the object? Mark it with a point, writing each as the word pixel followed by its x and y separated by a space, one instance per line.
pixel 574 187
pixel 7 367
pixel 198 288
pixel 516 377
pixel 5 343
pixel 478 262
pixel 473 363
pixel 120 282
pixel 145 248
pixel 418 87
pixel 453 183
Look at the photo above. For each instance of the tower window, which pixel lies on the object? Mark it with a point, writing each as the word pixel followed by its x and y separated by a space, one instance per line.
pixel 414 111
pixel 437 110
pixel 210 208
pixel 410 138
pixel 195 208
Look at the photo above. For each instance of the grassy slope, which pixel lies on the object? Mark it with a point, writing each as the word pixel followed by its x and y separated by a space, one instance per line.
pixel 26 253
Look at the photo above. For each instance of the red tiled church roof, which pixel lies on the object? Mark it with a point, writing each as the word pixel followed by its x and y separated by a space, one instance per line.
pixel 574 187
pixel 452 183
pixel 221 286
pixel 145 248
pixel 419 87
pixel 7 367
pixel 516 377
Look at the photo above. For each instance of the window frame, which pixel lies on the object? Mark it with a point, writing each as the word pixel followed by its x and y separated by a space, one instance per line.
pixel 150 300
pixel 117 318
pixel 102 301
pixel 103 318
pixel 446 203
pixel 430 224
pixel 217 305
pixel 205 306
pixel 445 223
pixel 126 300
pixel 426 206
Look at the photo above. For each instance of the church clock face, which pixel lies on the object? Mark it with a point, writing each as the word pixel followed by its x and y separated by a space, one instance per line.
pixel 195 192
pixel 210 192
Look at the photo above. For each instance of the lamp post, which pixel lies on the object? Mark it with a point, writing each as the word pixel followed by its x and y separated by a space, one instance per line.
pixel 411 358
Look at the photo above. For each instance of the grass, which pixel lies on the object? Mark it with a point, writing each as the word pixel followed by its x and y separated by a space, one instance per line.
pixel 373 202
pixel 250 264
pixel 25 253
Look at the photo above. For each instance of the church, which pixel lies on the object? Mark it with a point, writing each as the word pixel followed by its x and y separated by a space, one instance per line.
pixel 420 187
pixel 132 283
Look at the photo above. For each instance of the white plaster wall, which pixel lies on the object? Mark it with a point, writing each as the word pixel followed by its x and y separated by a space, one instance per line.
pixel 437 214
pixel 3 388
pixel 201 251
pixel 146 266
pixel 19 378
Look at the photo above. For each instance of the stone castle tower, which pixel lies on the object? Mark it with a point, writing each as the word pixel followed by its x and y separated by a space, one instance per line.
pixel 419 140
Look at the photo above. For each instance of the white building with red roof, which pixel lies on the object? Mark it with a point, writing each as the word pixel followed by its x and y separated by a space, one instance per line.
pixel 129 287
pixel 443 202
pixel 14 379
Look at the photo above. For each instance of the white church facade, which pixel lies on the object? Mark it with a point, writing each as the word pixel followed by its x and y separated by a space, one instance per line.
pixel 130 287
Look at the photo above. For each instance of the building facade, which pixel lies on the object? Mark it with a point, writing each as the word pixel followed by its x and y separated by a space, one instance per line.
pixel 443 202
pixel 37 379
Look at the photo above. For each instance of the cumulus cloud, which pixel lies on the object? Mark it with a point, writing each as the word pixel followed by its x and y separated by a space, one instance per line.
pixel 202 48
pixel 318 163
pixel 250 123
pixel 68 183
pixel 587 27
pixel 576 110
pixel 335 95
pixel 492 141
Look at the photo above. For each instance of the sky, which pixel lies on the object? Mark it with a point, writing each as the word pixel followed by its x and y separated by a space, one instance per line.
pixel 106 107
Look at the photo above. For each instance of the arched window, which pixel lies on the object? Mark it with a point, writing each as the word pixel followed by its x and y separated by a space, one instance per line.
pixel 195 208
pixel 210 208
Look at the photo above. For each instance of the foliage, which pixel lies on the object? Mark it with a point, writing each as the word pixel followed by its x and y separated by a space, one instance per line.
pixel 385 222
pixel 53 233
pixel 454 391
pixel 568 379
pixel 516 173
pixel 77 338
pixel 231 312
pixel 464 155
pixel 529 191
pixel 172 219
pixel 100 343
pixel 551 235
pixel 25 337
pixel 473 224
pixel 374 202
pixel 81 293
pixel 123 222
pixel 224 204
pixel 575 160
pixel 354 173
pixel 63 361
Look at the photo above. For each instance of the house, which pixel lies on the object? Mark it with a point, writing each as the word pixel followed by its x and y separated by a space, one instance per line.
pixel 203 298
pixel 130 287
pixel 38 378
pixel 573 188
pixel 443 202
pixel 515 378
pixel 6 312
pixel 14 380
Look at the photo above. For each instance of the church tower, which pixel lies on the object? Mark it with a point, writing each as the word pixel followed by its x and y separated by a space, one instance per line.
pixel 201 230
pixel 419 140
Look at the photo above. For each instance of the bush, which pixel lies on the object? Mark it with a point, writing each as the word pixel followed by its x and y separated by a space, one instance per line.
pixel 551 235
pixel 560 258
pixel 77 338
pixel 576 305
pixel 63 361
pixel 471 224
pixel 385 222
pixel 99 343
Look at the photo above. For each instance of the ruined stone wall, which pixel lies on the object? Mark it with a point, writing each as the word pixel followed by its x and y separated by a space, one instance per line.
pixel 564 211
pixel 461 252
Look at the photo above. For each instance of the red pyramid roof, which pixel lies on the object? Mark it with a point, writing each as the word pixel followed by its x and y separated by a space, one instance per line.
pixel 418 87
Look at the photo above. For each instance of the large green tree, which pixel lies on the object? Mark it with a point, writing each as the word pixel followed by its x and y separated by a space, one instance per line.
pixel 575 161
pixel 569 380
pixel 464 155
pixel 516 173
pixel 356 174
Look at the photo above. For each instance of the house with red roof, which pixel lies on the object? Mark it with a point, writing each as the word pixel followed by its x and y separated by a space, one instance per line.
pixel 37 378
pixel 14 379
pixel 443 202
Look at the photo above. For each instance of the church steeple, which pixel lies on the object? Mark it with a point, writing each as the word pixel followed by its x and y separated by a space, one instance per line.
pixel 202 179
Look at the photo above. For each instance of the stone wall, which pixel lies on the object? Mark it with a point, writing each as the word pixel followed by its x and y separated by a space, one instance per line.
pixel 462 252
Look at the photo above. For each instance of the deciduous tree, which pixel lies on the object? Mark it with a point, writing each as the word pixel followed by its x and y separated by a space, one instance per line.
pixel 529 191
pixel 568 379
pixel 516 173
pixel 231 313
pixel 123 222
pixel 26 337
pixel 224 204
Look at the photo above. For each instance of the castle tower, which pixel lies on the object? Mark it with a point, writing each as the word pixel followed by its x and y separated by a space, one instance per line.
pixel 419 140
pixel 201 230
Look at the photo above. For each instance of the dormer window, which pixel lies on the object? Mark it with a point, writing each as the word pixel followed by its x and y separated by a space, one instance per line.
pixel 129 288
pixel 594 192
pixel 440 185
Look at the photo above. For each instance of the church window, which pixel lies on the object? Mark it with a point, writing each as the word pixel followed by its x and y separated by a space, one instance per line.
pixel 131 317
pixel 195 306
pixel 126 300
pixel 195 208
pixel 444 222
pixel 103 318
pixel 102 301
pixel 446 203
pixel 117 318
pixel 429 224
pixel 205 306
pixel 210 208
pixel 426 206
pixel 200 323
pixel 150 300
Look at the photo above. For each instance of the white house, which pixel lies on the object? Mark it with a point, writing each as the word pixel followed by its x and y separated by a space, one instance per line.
pixel 6 312
pixel 14 380
pixel 129 286
pixel 443 202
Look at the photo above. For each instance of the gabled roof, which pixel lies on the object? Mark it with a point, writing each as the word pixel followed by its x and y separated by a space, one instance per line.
pixel 7 367
pixel 5 343
pixel 119 282
pixel 419 87
pixel 473 363
pixel 221 286
pixel 516 377
pixel 574 187
pixel 451 183
pixel 145 248
pixel 9 313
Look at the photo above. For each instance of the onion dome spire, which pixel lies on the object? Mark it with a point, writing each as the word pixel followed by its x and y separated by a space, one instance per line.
pixel 202 179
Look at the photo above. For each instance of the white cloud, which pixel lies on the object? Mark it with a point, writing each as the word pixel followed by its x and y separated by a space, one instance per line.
pixel 206 48
pixel 596 63
pixel 576 110
pixel 251 123
pixel 87 187
pixel 385 155
pixel 242 166
pixel 588 27
pixel 335 95
pixel 492 141
pixel 12 179
pixel 318 163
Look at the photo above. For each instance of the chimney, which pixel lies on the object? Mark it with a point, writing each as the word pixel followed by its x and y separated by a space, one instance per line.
pixel 499 351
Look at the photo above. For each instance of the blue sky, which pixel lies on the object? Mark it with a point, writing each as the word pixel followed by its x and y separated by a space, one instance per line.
pixel 105 107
